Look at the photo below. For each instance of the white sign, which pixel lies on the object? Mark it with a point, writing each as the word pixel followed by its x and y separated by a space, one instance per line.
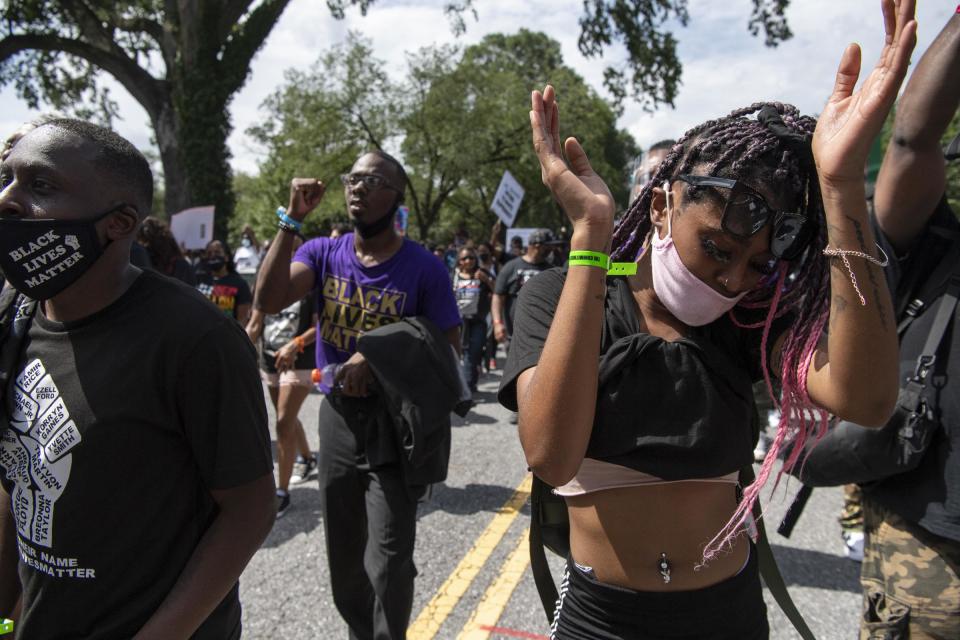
pixel 507 201
pixel 193 228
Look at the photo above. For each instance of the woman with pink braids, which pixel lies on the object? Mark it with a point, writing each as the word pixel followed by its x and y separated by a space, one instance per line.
pixel 634 392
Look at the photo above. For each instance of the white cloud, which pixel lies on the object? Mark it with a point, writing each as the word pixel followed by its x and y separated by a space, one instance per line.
pixel 724 67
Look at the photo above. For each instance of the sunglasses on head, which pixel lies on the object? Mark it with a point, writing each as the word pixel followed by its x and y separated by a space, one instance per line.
pixel 371 181
pixel 745 212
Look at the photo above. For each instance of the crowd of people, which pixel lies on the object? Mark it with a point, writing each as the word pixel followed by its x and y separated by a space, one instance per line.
pixel 749 254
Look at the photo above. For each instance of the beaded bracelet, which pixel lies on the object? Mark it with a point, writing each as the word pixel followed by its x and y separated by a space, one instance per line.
pixel 298 340
pixel 836 252
pixel 289 228
pixel 285 219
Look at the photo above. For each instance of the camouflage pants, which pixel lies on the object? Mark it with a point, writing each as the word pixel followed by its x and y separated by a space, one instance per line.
pixel 910 578
pixel 851 516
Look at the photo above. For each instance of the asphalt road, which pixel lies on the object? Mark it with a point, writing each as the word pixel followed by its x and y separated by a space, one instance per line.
pixel 474 581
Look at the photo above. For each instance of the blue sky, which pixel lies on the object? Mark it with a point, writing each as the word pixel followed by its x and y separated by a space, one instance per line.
pixel 724 67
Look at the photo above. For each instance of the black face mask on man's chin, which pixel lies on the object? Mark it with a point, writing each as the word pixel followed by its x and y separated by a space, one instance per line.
pixel 42 257
pixel 378 226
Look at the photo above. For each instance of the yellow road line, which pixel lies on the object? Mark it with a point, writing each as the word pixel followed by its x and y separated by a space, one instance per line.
pixel 495 600
pixel 428 623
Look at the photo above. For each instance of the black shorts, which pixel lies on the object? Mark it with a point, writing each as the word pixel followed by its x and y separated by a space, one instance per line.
pixel 591 610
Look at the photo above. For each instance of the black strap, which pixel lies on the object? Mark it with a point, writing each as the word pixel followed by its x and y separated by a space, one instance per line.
pixel 546 588
pixel 912 306
pixel 948 302
pixel 769 570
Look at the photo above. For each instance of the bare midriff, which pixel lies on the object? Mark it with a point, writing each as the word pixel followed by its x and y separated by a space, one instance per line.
pixel 620 533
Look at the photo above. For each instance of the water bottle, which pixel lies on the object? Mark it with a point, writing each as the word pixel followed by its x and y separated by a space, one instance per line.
pixel 324 379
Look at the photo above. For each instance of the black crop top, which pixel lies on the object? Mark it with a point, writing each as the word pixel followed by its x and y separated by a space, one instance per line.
pixel 677 410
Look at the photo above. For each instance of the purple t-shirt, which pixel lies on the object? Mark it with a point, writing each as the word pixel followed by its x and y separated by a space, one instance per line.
pixel 353 299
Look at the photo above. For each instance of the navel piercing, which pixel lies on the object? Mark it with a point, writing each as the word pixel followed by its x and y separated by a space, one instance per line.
pixel 664 568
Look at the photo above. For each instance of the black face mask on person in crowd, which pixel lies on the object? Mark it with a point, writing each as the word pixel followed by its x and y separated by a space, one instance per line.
pixel 42 257
pixel 215 264
pixel 369 230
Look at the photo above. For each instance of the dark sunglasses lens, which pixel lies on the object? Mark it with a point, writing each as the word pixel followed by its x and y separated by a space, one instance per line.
pixel 791 235
pixel 745 213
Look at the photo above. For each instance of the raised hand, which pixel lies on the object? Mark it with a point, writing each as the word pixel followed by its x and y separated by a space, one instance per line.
pixel 852 119
pixel 305 195
pixel 579 190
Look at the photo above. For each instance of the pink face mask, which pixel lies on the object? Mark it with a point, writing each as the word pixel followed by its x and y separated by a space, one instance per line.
pixel 691 300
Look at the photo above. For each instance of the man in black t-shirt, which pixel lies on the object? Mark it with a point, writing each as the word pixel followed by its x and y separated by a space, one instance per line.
pixel 911 565
pixel 134 451
pixel 511 279
pixel 514 275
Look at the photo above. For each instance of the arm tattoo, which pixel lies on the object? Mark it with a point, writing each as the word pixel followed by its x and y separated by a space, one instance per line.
pixel 858 229
pixel 838 305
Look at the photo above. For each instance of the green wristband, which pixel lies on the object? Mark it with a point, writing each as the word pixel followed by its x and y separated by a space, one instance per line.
pixel 6 626
pixel 601 260
pixel 589 259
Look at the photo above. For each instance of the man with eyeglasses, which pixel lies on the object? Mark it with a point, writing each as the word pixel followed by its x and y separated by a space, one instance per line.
pixel 365 279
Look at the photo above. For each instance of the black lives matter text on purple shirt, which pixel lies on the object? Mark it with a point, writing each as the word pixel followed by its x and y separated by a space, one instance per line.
pixel 350 310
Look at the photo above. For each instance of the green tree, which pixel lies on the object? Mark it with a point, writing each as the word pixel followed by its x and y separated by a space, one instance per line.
pixel 494 78
pixel 459 118
pixel 182 61
pixel 652 71
pixel 316 124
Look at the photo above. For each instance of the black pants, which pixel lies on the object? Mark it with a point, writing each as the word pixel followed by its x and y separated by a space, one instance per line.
pixel 473 334
pixel 370 522
pixel 591 610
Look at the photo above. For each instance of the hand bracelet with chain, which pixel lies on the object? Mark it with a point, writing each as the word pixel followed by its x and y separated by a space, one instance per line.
pixel 835 252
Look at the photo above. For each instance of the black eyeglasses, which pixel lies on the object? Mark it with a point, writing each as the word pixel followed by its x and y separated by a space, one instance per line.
pixel 745 212
pixel 468 258
pixel 371 181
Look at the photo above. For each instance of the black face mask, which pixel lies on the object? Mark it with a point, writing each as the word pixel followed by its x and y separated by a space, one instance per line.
pixel 41 258
pixel 215 264
pixel 378 226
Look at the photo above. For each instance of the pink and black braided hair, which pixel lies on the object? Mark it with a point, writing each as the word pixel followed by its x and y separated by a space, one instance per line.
pixel 744 148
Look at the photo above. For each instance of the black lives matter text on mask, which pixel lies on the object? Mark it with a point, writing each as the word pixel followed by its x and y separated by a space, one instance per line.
pixel 41 257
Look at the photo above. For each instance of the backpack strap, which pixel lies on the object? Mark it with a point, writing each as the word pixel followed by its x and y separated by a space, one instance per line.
pixel 932 286
pixel 546 588
pixel 769 570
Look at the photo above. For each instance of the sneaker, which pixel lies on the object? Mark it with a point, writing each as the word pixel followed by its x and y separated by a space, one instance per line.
pixel 853 541
pixel 283 503
pixel 760 451
pixel 303 469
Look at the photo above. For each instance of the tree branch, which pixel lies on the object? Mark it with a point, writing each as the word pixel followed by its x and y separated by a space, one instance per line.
pixel 91 28
pixel 238 51
pixel 230 15
pixel 367 130
pixel 146 89
pixel 141 25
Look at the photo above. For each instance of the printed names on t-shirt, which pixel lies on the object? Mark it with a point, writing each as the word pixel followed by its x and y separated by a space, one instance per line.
pixel 52 565
pixel 349 310
pixel 35 453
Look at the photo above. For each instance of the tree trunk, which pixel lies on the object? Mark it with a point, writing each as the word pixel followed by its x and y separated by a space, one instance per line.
pixel 176 184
